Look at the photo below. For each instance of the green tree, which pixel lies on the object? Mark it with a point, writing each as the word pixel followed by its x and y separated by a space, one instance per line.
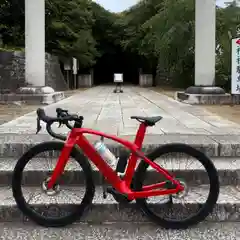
pixel 68 28
pixel 165 35
pixel 156 34
pixel 12 22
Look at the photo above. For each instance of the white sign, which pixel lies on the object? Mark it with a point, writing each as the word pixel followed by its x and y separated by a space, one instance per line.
pixel 75 69
pixel 118 77
pixel 235 80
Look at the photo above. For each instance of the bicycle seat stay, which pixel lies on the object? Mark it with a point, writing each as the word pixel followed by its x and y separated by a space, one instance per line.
pixel 149 121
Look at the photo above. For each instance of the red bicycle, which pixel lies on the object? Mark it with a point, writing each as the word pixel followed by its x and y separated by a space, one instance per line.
pixel 127 180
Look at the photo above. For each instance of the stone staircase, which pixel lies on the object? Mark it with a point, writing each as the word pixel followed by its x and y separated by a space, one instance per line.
pixel 223 150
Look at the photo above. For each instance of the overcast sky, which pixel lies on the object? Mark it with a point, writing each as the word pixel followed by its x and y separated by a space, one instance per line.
pixel 120 5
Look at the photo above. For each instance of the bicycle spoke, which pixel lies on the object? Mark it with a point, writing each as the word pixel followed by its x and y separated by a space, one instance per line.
pixel 58 203
pixel 175 202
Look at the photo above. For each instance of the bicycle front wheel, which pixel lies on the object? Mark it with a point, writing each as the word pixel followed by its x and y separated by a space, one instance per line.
pixel 199 178
pixel 79 187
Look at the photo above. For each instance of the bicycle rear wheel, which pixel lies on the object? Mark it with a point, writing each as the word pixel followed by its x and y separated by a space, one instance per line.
pixel 170 203
pixel 44 212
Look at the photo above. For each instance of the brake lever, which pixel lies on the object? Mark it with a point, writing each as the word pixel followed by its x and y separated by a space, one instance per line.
pixel 60 124
pixel 39 127
pixel 65 112
pixel 62 113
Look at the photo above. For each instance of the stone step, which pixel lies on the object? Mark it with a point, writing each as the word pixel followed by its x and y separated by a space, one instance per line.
pixel 191 171
pixel 107 210
pixel 14 145
pixel 119 231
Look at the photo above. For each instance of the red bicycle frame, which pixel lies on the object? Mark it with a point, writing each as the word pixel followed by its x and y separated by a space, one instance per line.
pixel 76 136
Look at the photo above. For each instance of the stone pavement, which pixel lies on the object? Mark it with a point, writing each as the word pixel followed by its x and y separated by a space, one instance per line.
pixel 117 231
pixel 109 112
pixel 103 110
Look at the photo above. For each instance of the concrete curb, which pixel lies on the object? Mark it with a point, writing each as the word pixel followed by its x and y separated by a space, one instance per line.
pixel 107 210
pixel 12 145
pixel 194 174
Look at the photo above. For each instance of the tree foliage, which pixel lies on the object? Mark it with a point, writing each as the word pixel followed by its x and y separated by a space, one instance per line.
pixel 12 22
pixel 158 34
pixel 69 30
pixel 163 32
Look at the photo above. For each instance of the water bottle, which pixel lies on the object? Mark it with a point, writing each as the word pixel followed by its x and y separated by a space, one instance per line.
pixel 105 153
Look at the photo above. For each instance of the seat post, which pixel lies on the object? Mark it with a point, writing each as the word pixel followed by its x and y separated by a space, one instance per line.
pixel 140 135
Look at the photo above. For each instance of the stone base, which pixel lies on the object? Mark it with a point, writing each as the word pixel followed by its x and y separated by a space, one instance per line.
pixel 85 81
pixel 35 90
pixel 204 90
pixel 208 95
pixel 41 98
pixel 145 80
pixel 207 99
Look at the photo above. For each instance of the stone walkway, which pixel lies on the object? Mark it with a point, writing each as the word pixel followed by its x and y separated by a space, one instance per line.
pixel 103 110
pixel 120 231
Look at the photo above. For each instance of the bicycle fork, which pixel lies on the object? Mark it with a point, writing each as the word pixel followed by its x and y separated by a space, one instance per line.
pixel 61 163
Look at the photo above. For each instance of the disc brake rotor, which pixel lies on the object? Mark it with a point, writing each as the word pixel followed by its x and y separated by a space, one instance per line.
pixel 183 193
pixel 50 192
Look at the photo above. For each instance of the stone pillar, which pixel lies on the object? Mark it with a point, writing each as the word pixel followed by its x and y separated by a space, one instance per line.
pixel 204 91
pixel 205 42
pixel 92 75
pixel 35 42
pixel 85 80
pixel 146 80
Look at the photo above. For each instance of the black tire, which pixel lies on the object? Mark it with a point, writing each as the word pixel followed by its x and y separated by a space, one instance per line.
pixel 79 209
pixel 206 208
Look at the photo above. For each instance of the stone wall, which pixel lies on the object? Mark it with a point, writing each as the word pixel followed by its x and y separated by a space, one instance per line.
pixel 12 65
pixel 53 76
pixel 12 72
